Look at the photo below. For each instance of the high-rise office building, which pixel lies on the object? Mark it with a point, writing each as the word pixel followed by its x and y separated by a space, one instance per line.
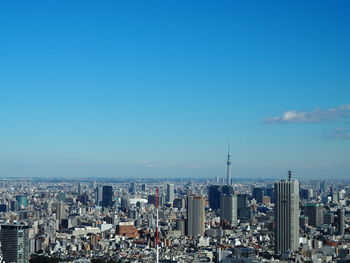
pixel 179 203
pixel 170 193
pixel 286 215
pixel 227 190
pixel 341 221
pixel 107 196
pixel 99 195
pixel 214 192
pixel 258 194
pixel 268 191
pixel 22 201
pixel 195 216
pixel 132 188
pixel 244 211
pixel 14 241
pixel 314 212
pixel 228 208
pixel 14 205
pixel 60 211
pixel 124 204
pixel 323 186
pixel 328 218
pixel 80 188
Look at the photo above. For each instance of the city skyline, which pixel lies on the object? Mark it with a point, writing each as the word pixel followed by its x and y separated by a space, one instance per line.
pixel 155 89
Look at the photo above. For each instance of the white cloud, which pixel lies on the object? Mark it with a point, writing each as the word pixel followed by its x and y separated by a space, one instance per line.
pixel 318 115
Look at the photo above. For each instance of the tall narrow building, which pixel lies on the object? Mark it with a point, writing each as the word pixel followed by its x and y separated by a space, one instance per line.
pixel 228 209
pixel 170 193
pixel 99 195
pixel 195 215
pixel 60 211
pixel 107 196
pixel 214 192
pixel 286 215
pixel 341 221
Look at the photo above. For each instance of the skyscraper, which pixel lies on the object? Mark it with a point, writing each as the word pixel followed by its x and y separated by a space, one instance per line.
pixel 228 208
pixel 314 212
pixel 195 215
pixel 258 194
pixel 80 188
pixel 107 196
pixel 60 211
pixel 243 208
pixel 14 241
pixel 214 193
pixel 124 204
pixel 132 188
pixel 170 193
pixel 227 190
pixel 99 195
pixel 341 221
pixel 22 201
pixel 286 215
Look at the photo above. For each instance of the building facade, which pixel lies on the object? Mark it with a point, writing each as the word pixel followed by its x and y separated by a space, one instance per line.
pixel 286 215
pixel 195 215
pixel 170 193
pixel 107 196
pixel 14 243
pixel 228 208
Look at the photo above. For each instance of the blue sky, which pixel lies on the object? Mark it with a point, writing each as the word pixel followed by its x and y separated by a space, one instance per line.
pixel 157 88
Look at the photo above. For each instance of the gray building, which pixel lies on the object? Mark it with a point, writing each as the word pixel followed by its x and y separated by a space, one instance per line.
pixel 243 209
pixel 14 243
pixel 170 193
pixel 286 215
pixel 132 189
pixel 228 208
pixel 99 195
pixel 60 211
pixel 195 215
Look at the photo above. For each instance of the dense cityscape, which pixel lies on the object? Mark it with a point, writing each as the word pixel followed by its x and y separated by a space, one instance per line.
pixel 218 220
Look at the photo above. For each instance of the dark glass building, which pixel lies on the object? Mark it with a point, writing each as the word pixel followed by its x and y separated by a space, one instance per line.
pixel 258 194
pixel 107 196
pixel 214 193
pixel 14 243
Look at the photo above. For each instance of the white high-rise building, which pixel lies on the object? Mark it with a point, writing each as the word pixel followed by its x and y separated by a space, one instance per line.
pixel 170 193
pixel 286 215
pixel 195 215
